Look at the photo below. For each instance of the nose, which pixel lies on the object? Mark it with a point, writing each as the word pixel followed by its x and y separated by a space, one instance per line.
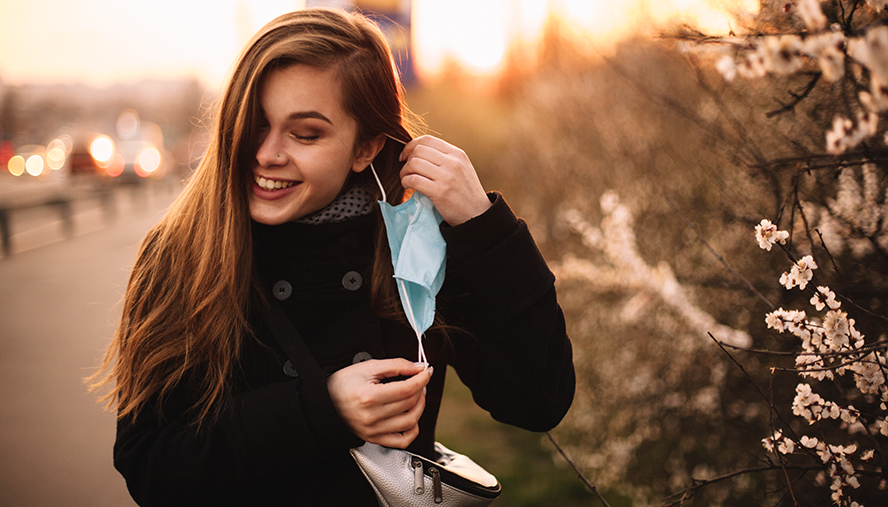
pixel 269 153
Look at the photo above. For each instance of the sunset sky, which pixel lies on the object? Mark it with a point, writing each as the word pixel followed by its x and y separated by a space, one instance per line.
pixel 99 42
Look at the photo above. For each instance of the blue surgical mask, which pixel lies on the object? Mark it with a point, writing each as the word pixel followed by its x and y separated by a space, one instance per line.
pixel 418 257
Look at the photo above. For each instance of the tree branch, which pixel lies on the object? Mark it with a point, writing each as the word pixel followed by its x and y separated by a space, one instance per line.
pixel 700 484
pixel 825 160
pixel 797 97
pixel 577 470
pixel 719 257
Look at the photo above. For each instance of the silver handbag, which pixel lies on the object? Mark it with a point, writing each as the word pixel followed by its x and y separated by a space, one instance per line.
pixel 402 478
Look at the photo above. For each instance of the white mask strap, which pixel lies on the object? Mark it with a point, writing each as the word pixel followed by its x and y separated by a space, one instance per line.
pixel 373 170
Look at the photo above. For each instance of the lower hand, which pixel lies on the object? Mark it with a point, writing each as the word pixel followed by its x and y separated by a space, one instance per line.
pixel 381 413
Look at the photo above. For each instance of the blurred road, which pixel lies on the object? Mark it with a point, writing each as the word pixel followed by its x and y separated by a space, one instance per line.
pixel 59 304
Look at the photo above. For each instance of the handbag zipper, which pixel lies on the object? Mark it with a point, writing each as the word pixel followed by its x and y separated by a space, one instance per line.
pixel 422 466
pixel 436 484
pixel 418 488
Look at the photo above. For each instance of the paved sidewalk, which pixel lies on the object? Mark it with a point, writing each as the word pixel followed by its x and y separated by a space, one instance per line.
pixel 59 305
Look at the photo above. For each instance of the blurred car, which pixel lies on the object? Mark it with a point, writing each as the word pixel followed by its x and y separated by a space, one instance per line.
pixel 141 159
pixel 125 161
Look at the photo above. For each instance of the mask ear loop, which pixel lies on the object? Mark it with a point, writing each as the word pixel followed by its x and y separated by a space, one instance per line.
pixel 375 176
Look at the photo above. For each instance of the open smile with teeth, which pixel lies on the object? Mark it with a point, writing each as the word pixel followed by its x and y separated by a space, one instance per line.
pixel 272 185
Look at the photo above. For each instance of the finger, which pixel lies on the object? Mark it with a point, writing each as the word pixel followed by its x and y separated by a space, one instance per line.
pixel 380 369
pixel 429 142
pixel 395 408
pixel 400 390
pixel 406 404
pixel 396 440
pixel 430 154
pixel 402 421
pixel 420 172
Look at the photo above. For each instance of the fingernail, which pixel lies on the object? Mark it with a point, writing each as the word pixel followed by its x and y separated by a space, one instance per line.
pixel 421 365
pixel 424 390
pixel 401 157
pixel 431 370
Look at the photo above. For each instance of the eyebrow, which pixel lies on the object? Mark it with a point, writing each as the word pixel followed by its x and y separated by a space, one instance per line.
pixel 301 115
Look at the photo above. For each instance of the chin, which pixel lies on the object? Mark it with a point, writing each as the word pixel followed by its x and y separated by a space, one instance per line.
pixel 269 217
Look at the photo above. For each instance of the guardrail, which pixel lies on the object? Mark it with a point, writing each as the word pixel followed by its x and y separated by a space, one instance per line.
pixel 58 195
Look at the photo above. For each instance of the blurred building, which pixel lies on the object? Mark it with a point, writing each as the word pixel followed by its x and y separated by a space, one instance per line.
pixel 393 17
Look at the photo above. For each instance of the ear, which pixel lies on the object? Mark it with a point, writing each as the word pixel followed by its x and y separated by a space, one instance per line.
pixel 367 152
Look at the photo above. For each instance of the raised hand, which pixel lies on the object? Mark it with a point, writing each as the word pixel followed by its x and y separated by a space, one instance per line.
pixel 445 174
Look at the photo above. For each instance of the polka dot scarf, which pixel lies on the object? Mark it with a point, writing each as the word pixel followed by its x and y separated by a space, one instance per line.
pixel 355 202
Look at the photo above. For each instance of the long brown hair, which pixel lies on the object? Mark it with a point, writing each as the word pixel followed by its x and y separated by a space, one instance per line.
pixel 187 307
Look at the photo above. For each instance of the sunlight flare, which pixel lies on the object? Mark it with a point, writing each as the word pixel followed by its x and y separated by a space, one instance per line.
pixel 478 36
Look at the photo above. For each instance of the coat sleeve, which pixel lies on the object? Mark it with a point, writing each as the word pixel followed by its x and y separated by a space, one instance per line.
pixel 262 441
pixel 511 346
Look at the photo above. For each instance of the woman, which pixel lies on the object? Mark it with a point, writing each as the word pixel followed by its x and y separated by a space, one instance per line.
pixel 210 412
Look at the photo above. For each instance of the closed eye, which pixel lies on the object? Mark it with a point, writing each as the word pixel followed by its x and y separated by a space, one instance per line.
pixel 305 138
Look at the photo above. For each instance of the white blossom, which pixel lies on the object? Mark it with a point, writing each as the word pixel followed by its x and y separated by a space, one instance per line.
pixel 878 5
pixel 783 320
pixel 846 134
pixel 872 51
pixel 766 234
pixel 825 297
pixel 727 67
pixel 829 51
pixel 882 426
pixel 756 64
pixel 768 443
pixel 813 362
pixel 809 442
pixel 800 274
pixel 782 54
pixel 868 374
pixel 812 16
pixel 786 446
pixel 837 329
pixel 805 398
pixel 774 321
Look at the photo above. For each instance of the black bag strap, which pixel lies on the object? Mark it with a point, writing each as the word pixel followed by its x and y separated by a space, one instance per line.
pixel 294 346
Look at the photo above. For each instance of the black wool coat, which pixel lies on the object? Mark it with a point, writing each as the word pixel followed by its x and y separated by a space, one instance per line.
pixel 279 440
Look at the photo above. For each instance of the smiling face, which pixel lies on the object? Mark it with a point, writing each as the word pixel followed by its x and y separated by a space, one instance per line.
pixel 307 145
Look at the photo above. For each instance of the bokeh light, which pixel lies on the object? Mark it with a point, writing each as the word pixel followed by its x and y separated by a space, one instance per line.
pixel 102 149
pixel 128 124
pixel 55 158
pixel 114 166
pixel 16 165
pixel 34 165
pixel 55 154
pixel 67 143
pixel 149 161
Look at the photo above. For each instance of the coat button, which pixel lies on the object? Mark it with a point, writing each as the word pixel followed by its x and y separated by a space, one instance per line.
pixel 360 357
pixel 289 370
pixel 352 281
pixel 282 290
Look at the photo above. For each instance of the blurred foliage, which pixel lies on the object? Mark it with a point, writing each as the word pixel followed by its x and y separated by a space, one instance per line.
pixel 658 403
